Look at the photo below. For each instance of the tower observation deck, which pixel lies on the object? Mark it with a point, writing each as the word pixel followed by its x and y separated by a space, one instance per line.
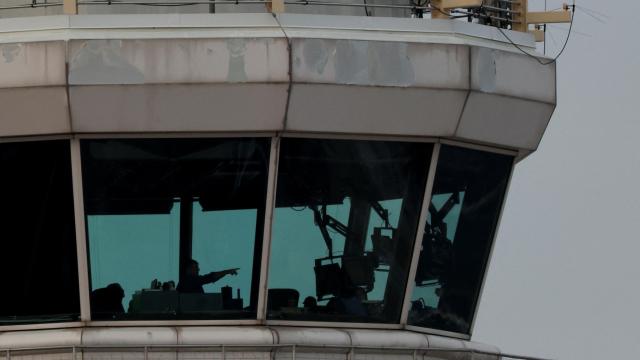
pixel 259 180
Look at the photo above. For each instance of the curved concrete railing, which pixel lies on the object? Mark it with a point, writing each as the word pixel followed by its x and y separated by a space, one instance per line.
pixel 239 343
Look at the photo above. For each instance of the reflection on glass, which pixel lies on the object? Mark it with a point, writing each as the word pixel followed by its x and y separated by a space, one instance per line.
pixel 467 196
pixel 224 255
pixel 37 229
pixel 344 226
pixel 173 226
pixel 117 242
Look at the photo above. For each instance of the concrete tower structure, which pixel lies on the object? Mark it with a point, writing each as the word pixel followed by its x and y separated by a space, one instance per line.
pixel 256 180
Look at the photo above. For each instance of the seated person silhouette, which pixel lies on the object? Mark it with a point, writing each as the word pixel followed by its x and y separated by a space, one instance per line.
pixel 310 304
pixel 191 281
pixel 107 301
pixel 348 298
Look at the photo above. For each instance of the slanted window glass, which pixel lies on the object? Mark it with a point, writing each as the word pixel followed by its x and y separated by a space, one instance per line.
pixel 174 226
pixel 40 267
pixel 467 196
pixel 344 228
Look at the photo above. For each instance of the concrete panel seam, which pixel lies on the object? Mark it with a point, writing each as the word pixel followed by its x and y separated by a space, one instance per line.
pixel 383 86
pixel 546 127
pixel 512 97
pixel 289 72
pixel 464 105
pixel 66 87
pixel 175 83
pixel 275 339
pixel 346 331
pixel 466 98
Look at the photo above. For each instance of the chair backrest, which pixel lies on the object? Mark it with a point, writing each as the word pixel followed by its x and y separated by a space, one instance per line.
pixel 279 298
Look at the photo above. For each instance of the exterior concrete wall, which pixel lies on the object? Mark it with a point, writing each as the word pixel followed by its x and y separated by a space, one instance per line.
pixel 102 75
pixel 212 73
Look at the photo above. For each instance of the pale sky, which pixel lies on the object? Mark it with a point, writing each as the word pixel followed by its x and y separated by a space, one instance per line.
pixel 563 281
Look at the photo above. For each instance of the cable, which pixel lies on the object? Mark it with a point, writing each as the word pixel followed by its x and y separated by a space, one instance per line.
pixel 592 15
pixel 366 8
pixel 573 7
pixel 544 44
pixel 545 63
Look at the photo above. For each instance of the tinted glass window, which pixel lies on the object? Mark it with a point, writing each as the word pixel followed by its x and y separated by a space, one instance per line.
pixel 467 196
pixel 344 226
pixel 173 226
pixel 37 234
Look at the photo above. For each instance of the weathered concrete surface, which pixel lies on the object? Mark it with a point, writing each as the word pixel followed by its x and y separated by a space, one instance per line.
pixel 199 73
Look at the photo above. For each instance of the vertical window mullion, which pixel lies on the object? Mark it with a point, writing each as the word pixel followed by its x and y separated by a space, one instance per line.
pixel 81 239
pixel 419 233
pixel 272 180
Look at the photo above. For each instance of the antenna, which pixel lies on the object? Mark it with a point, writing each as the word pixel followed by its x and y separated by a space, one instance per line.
pixel 513 15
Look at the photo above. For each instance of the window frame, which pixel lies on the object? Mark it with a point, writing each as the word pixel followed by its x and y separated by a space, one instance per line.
pixel 79 255
pixel 85 266
pixel 429 180
pixel 486 262
pixel 81 235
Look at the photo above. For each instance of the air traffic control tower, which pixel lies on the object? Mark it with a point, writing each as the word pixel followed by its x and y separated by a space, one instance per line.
pixel 249 179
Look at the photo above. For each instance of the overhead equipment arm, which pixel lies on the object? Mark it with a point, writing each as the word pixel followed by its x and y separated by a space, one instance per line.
pixel 324 220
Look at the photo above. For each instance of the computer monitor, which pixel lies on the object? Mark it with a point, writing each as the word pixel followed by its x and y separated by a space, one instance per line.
pixel 328 279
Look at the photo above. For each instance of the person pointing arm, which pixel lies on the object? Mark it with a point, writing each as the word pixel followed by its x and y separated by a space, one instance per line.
pixel 192 281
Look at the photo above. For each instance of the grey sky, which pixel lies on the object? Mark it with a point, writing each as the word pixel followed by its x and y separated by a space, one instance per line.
pixel 563 282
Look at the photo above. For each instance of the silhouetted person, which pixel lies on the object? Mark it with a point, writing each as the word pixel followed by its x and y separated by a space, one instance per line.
pixel 107 301
pixel 347 298
pixel 168 286
pixel 310 304
pixel 192 281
